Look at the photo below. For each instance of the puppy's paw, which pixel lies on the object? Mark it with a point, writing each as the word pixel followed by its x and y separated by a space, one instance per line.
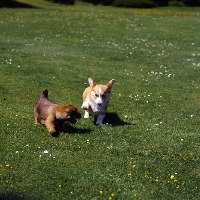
pixel 87 115
pixel 84 107
pixel 55 134
pixel 100 119
pixel 99 123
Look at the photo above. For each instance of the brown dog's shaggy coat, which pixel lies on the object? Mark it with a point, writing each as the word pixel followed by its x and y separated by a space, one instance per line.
pixel 53 115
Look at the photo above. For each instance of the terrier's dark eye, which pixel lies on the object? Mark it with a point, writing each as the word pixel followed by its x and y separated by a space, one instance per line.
pixel 96 95
pixel 103 95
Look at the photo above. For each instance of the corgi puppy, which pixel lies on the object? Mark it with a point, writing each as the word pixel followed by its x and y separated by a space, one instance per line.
pixel 53 115
pixel 96 99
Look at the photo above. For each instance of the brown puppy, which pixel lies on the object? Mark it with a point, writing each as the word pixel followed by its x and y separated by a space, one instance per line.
pixel 53 115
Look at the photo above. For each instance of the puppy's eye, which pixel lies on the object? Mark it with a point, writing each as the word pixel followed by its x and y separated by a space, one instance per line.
pixel 103 96
pixel 96 95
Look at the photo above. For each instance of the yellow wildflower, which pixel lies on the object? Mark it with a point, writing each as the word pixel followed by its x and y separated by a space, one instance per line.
pixel 113 194
pixel 172 177
pixel 146 174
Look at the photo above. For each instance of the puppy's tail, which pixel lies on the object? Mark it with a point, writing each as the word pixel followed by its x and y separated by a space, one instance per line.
pixel 45 93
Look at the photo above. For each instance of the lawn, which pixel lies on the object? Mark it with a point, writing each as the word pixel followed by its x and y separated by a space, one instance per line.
pixel 149 145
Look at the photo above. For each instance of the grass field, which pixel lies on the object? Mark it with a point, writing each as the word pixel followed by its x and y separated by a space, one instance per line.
pixel 149 146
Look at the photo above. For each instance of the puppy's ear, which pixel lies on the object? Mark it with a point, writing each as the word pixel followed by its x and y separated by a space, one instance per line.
pixel 110 83
pixel 91 82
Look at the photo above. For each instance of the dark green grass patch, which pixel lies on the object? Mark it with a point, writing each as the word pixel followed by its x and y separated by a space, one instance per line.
pixel 148 147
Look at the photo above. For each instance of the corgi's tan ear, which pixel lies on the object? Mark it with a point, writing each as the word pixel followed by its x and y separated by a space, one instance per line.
pixel 110 83
pixel 91 82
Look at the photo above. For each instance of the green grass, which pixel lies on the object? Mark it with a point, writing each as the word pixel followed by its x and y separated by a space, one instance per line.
pixel 150 147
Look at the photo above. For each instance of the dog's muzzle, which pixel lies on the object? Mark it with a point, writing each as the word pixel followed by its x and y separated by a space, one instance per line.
pixel 74 115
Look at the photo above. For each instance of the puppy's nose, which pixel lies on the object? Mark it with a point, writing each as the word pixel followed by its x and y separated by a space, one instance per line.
pixel 99 104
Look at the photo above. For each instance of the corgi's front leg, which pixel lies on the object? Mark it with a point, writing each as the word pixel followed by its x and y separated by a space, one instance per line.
pixel 85 105
pixel 86 115
pixel 100 119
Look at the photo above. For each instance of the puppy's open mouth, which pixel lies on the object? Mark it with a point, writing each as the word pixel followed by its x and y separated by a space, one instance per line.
pixel 74 116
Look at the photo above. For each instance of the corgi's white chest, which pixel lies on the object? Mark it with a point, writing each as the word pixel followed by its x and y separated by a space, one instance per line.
pixel 95 107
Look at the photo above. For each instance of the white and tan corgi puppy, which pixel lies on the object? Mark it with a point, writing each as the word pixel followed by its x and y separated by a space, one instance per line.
pixel 96 99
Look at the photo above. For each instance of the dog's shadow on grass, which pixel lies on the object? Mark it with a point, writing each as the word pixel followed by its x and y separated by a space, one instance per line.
pixel 114 120
pixel 73 130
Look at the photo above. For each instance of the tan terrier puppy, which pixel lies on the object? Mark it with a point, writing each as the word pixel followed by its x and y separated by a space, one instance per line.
pixel 52 115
